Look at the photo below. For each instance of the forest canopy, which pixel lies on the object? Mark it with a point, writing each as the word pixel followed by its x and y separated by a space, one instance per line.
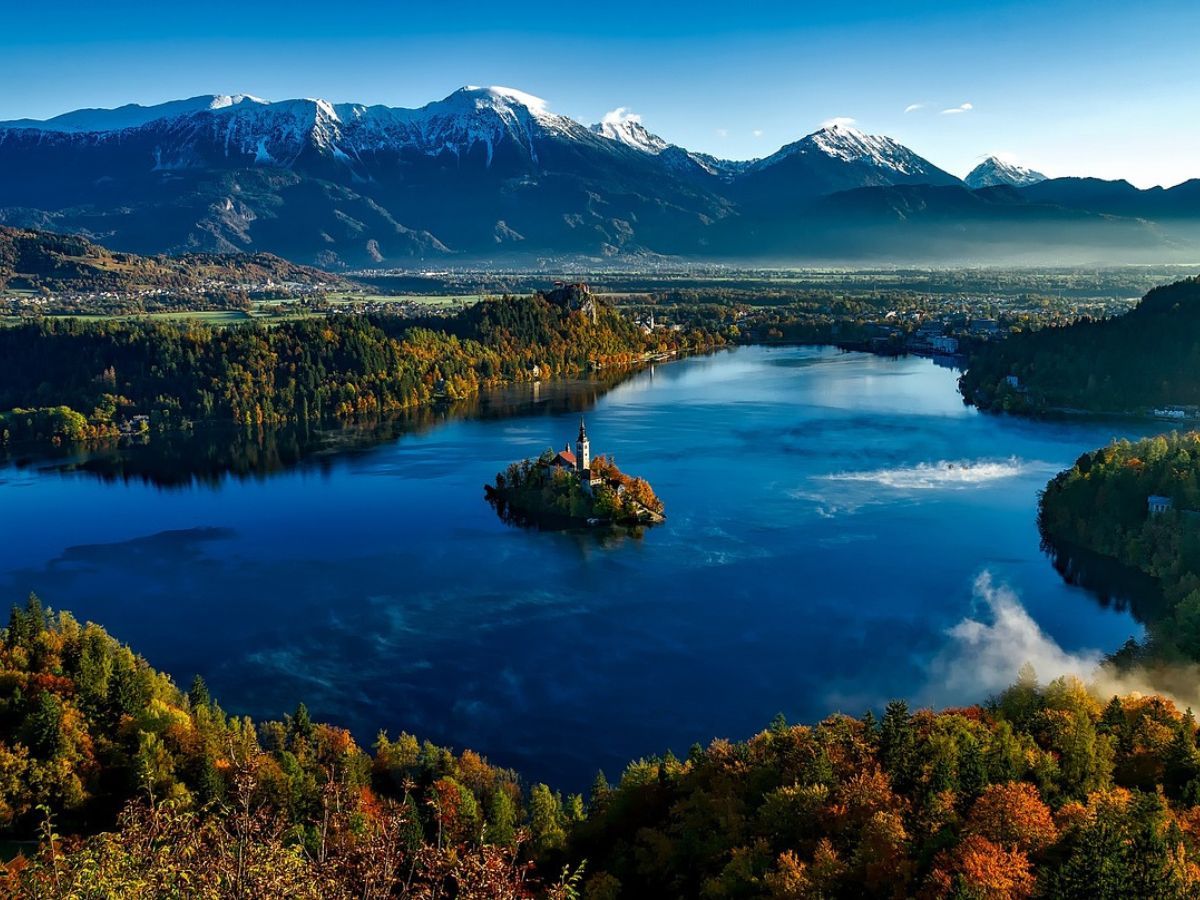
pixel 1146 358
pixel 136 788
pixel 1102 503
pixel 69 379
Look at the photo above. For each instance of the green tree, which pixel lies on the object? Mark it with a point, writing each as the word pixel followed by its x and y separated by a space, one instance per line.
pixel 501 819
pixel 546 818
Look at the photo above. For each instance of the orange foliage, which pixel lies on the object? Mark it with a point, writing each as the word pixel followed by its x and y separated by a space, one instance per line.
pixel 475 772
pixel 1013 815
pixel 1071 815
pixel 989 871
pixel 861 796
pixel 56 684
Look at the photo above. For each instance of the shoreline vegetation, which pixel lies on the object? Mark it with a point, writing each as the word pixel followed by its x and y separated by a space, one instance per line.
pixel 1142 363
pixel 70 381
pixel 116 783
pixel 537 492
pixel 1139 503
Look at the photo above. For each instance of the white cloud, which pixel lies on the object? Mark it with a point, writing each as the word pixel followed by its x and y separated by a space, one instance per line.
pixel 722 132
pixel 913 107
pixel 983 656
pixel 957 110
pixel 619 115
pixel 838 121
pixel 987 649
pixel 757 132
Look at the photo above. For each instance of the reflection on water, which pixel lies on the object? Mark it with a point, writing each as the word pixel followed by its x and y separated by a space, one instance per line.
pixel 1112 584
pixel 602 534
pixel 829 515
pixel 209 454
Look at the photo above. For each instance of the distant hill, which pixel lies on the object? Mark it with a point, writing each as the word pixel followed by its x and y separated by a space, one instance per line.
pixel 40 259
pixel 1147 358
pixel 492 176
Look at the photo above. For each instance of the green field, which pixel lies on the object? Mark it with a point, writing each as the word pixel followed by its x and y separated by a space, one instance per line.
pixel 208 317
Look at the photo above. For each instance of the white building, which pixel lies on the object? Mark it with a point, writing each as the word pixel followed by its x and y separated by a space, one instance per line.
pixel 1158 504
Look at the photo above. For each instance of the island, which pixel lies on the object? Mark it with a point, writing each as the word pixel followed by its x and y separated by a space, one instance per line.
pixel 570 488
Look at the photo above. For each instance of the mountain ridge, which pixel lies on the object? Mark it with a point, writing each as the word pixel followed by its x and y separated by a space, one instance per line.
pixel 491 173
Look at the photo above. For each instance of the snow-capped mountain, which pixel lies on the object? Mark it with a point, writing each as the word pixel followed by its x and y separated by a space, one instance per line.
pixel 994 171
pixel 483 172
pixel 348 183
pixel 871 158
pixel 835 158
pixel 627 128
pixel 242 126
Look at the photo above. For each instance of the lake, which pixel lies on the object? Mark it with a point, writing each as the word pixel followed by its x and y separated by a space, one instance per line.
pixel 841 530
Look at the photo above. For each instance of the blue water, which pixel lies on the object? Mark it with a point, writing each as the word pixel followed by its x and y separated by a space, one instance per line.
pixel 828 517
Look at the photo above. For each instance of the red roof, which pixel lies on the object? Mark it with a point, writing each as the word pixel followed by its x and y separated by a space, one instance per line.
pixel 567 457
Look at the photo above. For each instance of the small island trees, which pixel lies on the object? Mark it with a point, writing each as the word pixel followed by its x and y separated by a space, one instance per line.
pixel 564 488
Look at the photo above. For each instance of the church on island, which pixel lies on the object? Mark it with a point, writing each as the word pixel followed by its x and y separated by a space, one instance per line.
pixel 571 486
pixel 579 462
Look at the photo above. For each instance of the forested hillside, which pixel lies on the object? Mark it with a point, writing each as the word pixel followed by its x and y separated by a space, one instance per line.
pixel 70 380
pixel 31 259
pixel 224 807
pixel 1147 358
pixel 137 789
pixel 1101 504
pixel 1046 792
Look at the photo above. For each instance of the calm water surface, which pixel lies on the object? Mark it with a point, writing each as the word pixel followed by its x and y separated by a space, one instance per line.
pixel 829 517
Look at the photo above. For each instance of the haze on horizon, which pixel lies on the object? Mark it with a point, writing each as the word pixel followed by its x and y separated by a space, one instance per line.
pixel 1068 88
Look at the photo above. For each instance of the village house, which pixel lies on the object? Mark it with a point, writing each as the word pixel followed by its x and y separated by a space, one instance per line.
pixel 1158 504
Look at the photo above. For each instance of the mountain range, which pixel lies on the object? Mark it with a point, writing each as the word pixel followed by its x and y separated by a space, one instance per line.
pixel 492 175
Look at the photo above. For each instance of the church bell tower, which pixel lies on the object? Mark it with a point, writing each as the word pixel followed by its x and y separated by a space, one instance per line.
pixel 583 449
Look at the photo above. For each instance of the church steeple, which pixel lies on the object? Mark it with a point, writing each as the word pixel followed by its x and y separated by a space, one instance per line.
pixel 583 449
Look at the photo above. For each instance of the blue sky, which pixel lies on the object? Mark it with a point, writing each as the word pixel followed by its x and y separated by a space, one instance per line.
pixel 1096 88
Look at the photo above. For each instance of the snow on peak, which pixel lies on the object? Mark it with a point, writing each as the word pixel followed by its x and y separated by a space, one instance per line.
pixel 840 139
pixel 996 171
pixel 224 101
pixel 625 127
pixel 502 95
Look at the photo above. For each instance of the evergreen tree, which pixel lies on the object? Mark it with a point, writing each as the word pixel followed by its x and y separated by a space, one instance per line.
pixel 301 724
pixel 412 834
pixel 546 818
pixel 1154 851
pixel 870 726
pixel 210 786
pixel 972 769
pixel 1021 702
pixel 43 727
pixel 600 793
pixel 897 745
pixel 198 694
pixel 501 820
